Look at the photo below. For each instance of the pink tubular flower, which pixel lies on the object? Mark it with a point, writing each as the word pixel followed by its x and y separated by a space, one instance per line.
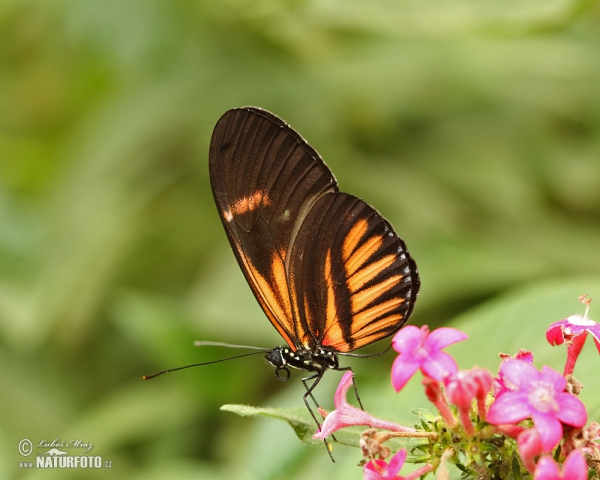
pixel 419 349
pixel 346 415
pixel 574 468
pixel 433 391
pixel 466 386
pixel 541 396
pixel 573 331
pixel 380 470
pixel 530 447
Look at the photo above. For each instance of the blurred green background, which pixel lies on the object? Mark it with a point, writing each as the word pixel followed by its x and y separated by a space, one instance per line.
pixel 472 125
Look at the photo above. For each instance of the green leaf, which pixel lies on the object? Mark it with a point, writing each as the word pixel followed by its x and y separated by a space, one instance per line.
pixel 298 418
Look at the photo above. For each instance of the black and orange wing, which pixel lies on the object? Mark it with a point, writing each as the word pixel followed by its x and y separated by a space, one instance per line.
pixel 352 280
pixel 265 180
pixel 325 267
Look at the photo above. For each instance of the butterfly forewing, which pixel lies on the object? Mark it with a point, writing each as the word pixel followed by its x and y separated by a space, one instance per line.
pixel 325 267
pixel 265 180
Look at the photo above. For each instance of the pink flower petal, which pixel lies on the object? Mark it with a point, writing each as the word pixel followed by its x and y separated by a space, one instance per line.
pixel 346 415
pixel 530 447
pixel 551 376
pixel 375 470
pixel 549 428
pixel 575 466
pixel 511 407
pixel 442 337
pixel 397 462
pixel 520 373
pixel 339 398
pixel 554 334
pixel 380 470
pixel 571 410
pixel 595 331
pixel 408 338
pixel 403 368
pixel 546 469
pixel 461 390
pixel 439 365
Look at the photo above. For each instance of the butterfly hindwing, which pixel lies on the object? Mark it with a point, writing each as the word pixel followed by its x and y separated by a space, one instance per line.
pixel 352 280
pixel 265 179
pixel 326 268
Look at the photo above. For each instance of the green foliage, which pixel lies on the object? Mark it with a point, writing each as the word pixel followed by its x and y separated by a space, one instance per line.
pixel 473 126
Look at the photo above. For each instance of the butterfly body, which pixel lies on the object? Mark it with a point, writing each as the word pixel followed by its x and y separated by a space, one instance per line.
pixel 317 360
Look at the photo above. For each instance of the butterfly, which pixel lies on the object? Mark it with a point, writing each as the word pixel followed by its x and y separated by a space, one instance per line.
pixel 327 269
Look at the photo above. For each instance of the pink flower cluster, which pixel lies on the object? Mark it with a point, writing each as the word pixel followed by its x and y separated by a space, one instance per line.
pixel 519 393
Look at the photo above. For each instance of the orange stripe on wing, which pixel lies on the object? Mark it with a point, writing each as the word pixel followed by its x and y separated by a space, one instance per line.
pixel 333 331
pixel 363 253
pixel 360 320
pixel 364 298
pixel 276 305
pixel 353 238
pixel 358 279
pixel 373 332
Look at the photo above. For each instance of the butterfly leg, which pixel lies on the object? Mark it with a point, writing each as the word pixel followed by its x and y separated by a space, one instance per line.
pixel 309 389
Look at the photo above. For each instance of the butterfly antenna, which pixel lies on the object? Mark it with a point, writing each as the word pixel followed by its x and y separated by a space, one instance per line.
pixel 365 355
pixel 148 377
pixel 202 343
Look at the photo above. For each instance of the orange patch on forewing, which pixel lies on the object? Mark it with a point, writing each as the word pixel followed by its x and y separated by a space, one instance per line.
pixel 307 339
pixel 353 238
pixel 360 320
pixel 362 299
pixel 279 312
pixel 358 279
pixel 363 253
pixel 250 203
pixel 278 271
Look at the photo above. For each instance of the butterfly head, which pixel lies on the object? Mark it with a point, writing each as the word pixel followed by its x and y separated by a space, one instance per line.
pixel 316 361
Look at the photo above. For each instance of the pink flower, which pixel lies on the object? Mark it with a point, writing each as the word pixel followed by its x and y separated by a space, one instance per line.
pixel 346 415
pixel 522 354
pixel 419 349
pixel 539 395
pixel 502 384
pixel 380 470
pixel 466 386
pixel 574 468
pixel 573 331
pixel 433 391
pixel 530 447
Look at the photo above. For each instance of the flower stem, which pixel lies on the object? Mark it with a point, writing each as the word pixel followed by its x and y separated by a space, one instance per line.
pixel 419 472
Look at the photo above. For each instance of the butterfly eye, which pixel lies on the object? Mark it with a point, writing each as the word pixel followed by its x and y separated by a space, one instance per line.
pixel 275 358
